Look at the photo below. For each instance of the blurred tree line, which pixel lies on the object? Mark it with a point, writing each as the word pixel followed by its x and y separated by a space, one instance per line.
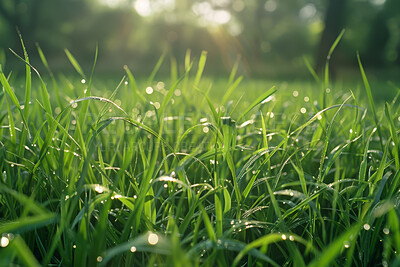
pixel 271 36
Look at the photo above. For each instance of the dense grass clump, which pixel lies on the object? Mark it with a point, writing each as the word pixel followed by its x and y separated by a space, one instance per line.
pixel 192 172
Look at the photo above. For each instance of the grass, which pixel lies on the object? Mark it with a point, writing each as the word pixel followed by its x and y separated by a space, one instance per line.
pixel 196 172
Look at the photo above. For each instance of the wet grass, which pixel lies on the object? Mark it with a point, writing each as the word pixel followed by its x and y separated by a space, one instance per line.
pixel 191 171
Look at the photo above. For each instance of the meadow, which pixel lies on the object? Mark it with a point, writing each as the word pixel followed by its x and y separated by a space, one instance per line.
pixel 194 171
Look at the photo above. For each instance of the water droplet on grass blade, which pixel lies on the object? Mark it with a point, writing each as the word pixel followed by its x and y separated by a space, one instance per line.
pixel 283 237
pixel 367 226
pixel 152 239
pixel 99 259
pixel 386 231
pixel 346 244
pixel 133 249
pixel 4 241
pixel 149 90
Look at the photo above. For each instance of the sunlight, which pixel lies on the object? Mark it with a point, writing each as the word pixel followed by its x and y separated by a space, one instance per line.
pixel 210 16
pixel 146 8
pixel 143 7
pixel 112 3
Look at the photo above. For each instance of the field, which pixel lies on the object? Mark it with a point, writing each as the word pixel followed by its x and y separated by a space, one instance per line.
pixel 194 171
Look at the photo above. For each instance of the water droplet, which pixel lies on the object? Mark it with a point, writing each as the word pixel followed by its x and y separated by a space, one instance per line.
pixel 295 93
pixel 306 99
pixel 74 105
pixel 12 165
pixel 133 249
pixel 165 185
pixel 291 238
pixel 85 91
pixel 99 189
pixel 126 82
pixel 149 90
pixel 386 231
pixel 283 237
pixel 303 110
pixel 319 117
pixel 152 239
pixel 74 246
pixel 83 81
pixel 291 194
pixel 206 129
pixel 135 196
pixel 367 226
pixel 4 241
pixel 346 244
pixel 99 259
pixel 66 197
pixel 328 90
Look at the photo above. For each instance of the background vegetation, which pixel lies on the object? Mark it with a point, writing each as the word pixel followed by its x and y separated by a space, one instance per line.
pixel 270 36
pixel 103 165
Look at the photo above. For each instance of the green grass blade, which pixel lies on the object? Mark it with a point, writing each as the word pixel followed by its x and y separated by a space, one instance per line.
pixel 24 252
pixel 393 134
pixel 200 69
pixel 370 99
pixel 155 70
pixel 75 63
pixel 328 255
pixel 257 101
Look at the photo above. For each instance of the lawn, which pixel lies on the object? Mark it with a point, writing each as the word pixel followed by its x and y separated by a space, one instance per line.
pixel 195 171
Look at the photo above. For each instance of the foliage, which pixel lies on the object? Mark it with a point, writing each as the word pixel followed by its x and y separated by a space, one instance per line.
pixel 165 173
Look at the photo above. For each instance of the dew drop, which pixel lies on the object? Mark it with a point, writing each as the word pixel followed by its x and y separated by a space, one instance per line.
pixel 291 238
pixel 283 237
pixel 295 93
pixel 83 81
pixel 99 259
pixel 149 90
pixel 367 226
pixel 346 244
pixel 4 241
pixel 386 231
pixel 152 239
pixel 133 249
pixel 165 185
pixel 303 110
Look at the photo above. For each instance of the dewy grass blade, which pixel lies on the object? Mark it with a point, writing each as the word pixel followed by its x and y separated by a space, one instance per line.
pixel 13 133
pixel 28 80
pixel 393 134
pixel 75 63
pixel 370 99
pixel 257 101
pixel 43 88
pixel 326 257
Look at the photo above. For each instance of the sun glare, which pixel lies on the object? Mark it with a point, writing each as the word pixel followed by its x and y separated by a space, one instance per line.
pixel 210 16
